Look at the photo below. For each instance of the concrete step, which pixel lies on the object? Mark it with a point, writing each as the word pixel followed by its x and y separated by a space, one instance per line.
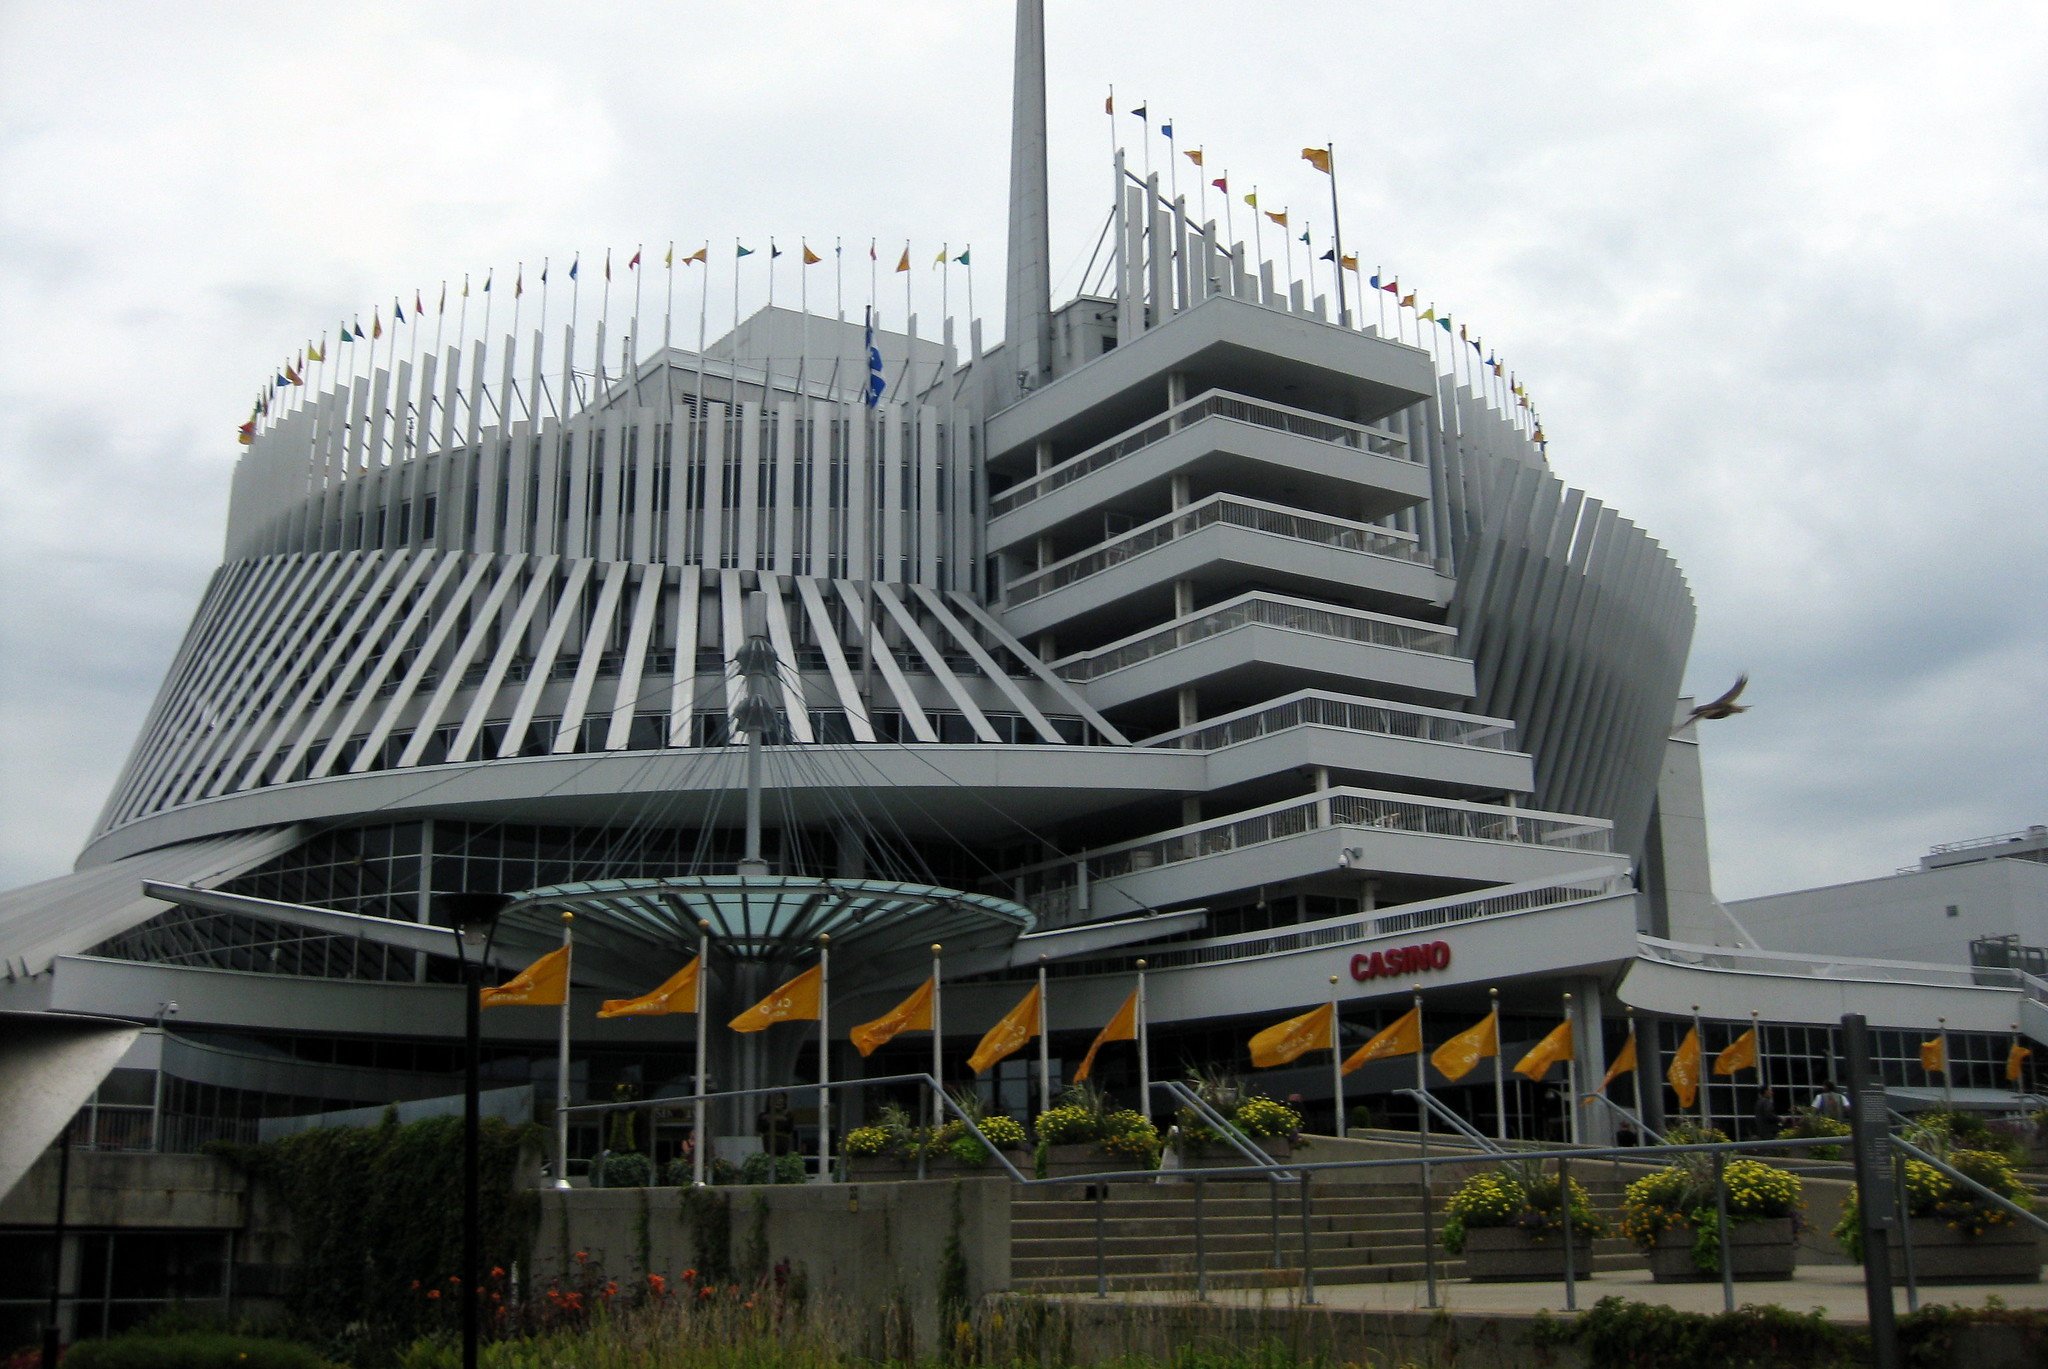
pixel 1067 1259
pixel 1333 1272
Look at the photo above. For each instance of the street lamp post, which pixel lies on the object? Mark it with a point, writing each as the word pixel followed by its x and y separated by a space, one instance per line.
pixel 476 920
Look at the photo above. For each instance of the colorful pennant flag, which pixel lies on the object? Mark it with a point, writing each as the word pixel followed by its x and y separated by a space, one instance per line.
pixel 1555 1047
pixel 634 265
pixel 1457 1057
pixel 1283 1042
pixel 701 255
pixel 904 264
pixel 810 258
pixel 2016 1062
pixel 1279 218
pixel 1123 1026
pixel 1740 1054
pixel 397 311
pixel 543 984
pixel 1934 1056
pixel 575 265
pixel 1624 1063
pixel 1222 183
pixel 677 994
pixel 1019 1024
pixel 1402 1036
pixel 246 434
pixel 1684 1073
pixel 798 1000
pixel 962 260
pixel 1193 154
pixel 377 324
pixel 913 1014
pixel 1317 157
pixel 1139 114
pixel 1166 130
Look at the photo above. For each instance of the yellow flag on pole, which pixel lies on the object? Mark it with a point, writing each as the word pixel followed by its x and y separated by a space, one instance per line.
pixel 2016 1062
pixel 1286 1041
pixel 1402 1036
pixel 796 1001
pixel 543 984
pixel 903 263
pixel 1624 1063
pixel 1933 1058
pixel 1317 157
pixel 1019 1024
pixel 1457 1057
pixel 1547 1052
pixel 1740 1055
pixel 677 994
pixel 1122 1027
pixel 1684 1074
pixel 913 1014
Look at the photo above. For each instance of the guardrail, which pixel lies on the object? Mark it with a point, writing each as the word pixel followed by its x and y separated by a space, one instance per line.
pixel 1319 708
pixel 1210 404
pixel 1826 967
pixel 1264 610
pixel 1217 510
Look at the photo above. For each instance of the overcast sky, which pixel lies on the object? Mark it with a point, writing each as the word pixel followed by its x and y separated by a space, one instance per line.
pixel 1776 275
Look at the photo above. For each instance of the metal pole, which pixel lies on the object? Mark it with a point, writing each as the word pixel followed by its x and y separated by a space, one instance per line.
pixel 472 1031
pixel 1700 1037
pixel 1201 1248
pixel 1721 1227
pixel 1564 1199
pixel 1871 1141
pixel 824 1060
pixel 1308 1250
pixel 1571 1075
pixel 1948 1068
pixel 1045 1050
pixel 1904 1218
pixel 1144 1050
pixel 700 1141
pixel 1500 1104
pixel 1336 1065
pixel 562 1070
pixel 52 1345
pixel 1428 1225
pixel 938 1056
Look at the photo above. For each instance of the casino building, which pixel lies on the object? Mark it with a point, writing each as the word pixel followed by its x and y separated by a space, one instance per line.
pixel 1197 620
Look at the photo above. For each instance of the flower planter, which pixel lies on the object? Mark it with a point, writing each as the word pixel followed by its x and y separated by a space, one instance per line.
pixel 872 1169
pixel 1508 1254
pixel 1757 1250
pixel 1084 1157
pixel 2006 1253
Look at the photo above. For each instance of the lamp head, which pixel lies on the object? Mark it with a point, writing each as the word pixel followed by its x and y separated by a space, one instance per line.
pixel 474 916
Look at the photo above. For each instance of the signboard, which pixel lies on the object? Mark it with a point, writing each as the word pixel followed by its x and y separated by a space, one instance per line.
pixel 1401 961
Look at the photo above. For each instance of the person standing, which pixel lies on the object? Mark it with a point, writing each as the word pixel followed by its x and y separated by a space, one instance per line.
pixel 1764 1121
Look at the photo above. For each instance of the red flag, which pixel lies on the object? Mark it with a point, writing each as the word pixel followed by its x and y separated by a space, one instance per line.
pixel 634 264
pixel 1222 183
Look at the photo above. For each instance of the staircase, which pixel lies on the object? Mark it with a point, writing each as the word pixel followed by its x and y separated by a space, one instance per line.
pixel 1360 1232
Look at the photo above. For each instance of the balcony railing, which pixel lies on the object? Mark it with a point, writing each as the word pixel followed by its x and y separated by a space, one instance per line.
pixel 1329 808
pixel 1271 519
pixel 1265 610
pixel 1744 961
pixel 1317 708
pixel 1211 404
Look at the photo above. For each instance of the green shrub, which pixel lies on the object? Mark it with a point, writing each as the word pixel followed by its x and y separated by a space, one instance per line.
pixel 1808 1123
pixel 1682 1195
pixel 763 1168
pixel 191 1350
pixel 1261 1118
pixel 1932 1194
pixel 1004 1133
pixel 631 1170
pixel 1517 1194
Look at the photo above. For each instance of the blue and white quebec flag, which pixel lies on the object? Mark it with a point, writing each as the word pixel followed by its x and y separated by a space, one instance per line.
pixel 876 384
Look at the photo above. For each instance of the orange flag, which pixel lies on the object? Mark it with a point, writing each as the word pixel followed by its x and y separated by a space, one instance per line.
pixel 1624 1063
pixel 1122 1027
pixel 1551 1049
pixel 1933 1058
pixel 904 264
pixel 1286 1041
pixel 1019 1025
pixel 1740 1055
pixel 1317 157
pixel 797 1001
pixel 677 994
pixel 2016 1062
pixel 913 1014
pixel 543 984
pixel 1457 1057
pixel 811 258
pixel 1402 1036
pixel 1684 1074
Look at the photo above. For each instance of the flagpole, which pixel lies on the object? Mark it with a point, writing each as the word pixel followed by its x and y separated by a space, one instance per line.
pixel 1044 1047
pixel 1258 233
pixel 938 1044
pixel 1571 1074
pixel 945 287
pixel 543 300
pixel 1144 1049
pixel 1756 1039
pixel 824 1059
pixel 575 321
pixel 1336 1064
pixel 1337 230
pixel 697 1145
pixel 1289 226
pixel 604 318
pixel 1700 1039
pixel 839 276
pixel 732 360
pixel 562 1057
pixel 668 312
pixel 967 260
pixel 1500 1088
pixel 1948 1074
pixel 639 274
pixel 908 276
pixel 1421 1067
pixel 1172 161
pixel 1635 1076
pixel 490 274
pixel 518 297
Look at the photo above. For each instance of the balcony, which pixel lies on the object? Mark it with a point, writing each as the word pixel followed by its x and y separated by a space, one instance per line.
pixel 1371 736
pixel 1221 542
pixel 1364 830
pixel 1268 640
pixel 1221 439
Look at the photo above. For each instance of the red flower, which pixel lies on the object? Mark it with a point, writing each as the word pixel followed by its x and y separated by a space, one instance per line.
pixel 434 1294
pixel 415 1285
pixel 689 1276
pixel 497 1271
pixel 582 1255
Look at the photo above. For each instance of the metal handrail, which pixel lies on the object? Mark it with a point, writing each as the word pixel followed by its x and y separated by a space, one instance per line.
pixel 1223 1126
pixel 1642 1128
pixel 1439 1109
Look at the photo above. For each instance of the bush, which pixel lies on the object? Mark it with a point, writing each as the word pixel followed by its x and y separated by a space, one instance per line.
pixel 763 1168
pixel 1931 1193
pixel 1682 1195
pixel 869 1141
pixel 627 1171
pixel 192 1350
pixel 1807 1122
pixel 1066 1124
pixel 1519 1194
pixel 1004 1133
pixel 1262 1119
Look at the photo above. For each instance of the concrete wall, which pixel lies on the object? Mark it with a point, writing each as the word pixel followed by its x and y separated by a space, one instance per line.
pixel 1905 916
pixel 867 1246
pixel 119 1189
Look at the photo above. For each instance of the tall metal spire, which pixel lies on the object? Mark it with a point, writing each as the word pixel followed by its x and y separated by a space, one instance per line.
pixel 1028 316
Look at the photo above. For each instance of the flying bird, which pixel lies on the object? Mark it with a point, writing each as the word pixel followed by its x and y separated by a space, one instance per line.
pixel 1723 707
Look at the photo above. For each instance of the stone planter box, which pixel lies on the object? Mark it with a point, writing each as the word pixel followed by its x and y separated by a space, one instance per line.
pixel 875 1169
pixel 1221 1154
pixel 2007 1253
pixel 1758 1250
pixel 1081 1157
pixel 1508 1254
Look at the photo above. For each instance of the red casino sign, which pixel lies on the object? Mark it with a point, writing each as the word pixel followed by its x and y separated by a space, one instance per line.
pixel 1401 960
